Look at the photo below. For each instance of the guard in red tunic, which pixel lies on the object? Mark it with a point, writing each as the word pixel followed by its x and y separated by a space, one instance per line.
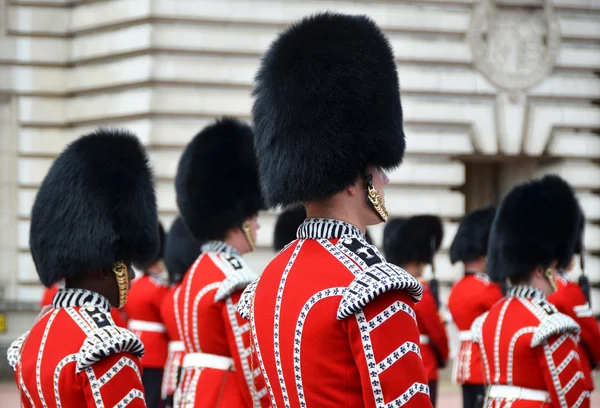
pixel 333 322
pixel 411 244
pixel 219 199
pixel 528 348
pixel 181 250
pixel 570 299
pixel 93 217
pixel 143 313
pixel 473 295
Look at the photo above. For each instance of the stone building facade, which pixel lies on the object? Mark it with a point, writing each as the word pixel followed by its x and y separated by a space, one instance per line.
pixel 494 92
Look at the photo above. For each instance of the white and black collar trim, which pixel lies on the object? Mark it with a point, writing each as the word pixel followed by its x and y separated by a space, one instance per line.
pixel 327 228
pixel 70 297
pixel 219 247
pixel 526 291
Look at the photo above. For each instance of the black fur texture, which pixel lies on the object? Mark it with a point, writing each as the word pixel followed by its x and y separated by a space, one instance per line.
pixel 471 239
pixel 327 105
pixel 217 180
pixel 414 239
pixel 95 206
pixel 181 250
pixel 535 225
pixel 286 226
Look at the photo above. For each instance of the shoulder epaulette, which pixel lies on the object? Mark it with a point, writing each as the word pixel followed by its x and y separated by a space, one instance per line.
pixel 238 276
pixel 106 341
pixel 552 323
pixel 476 328
pixel 245 302
pixel 14 351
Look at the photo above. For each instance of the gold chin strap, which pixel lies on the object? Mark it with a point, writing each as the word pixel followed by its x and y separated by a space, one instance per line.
pixel 375 199
pixel 247 228
pixel 550 277
pixel 122 275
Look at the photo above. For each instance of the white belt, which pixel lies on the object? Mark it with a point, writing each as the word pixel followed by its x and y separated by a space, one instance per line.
pixel 512 392
pixel 204 360
pixel 465 335
pixel 424 339
pixel 143 325
pixel 176 346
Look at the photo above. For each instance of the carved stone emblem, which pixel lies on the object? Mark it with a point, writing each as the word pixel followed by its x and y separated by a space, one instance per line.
pixel 513 46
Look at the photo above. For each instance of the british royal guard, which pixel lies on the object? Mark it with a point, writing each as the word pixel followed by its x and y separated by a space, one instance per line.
pixel 219 199
pixel 473 295
pixel 181 251
pixel 528 348
pixel 571 300
pixel 411 244
pixel 333 322
pixel 93 217
pixel 144 320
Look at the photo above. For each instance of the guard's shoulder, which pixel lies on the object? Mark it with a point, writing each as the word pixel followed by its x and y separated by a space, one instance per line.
pixel 552 322
pixel 477 328
pixel 375 277
pixel 245 302
pixel 14 351
pixel 105 339
pixel 239 275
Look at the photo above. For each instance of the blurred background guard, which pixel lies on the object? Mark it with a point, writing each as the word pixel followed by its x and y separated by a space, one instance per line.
pixel 570 299
pixel 473 295
pixel 181 250
pixel 328 310
pixel 528 348
pixel 411 244
pixel 219 199
pixel 143 313
pixel 75 356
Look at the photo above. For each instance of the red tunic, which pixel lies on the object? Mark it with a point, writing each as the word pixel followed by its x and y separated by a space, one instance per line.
pixel 334 324
pixel 218 368
pixel 570 300
pixel 75 356
pixel 434 340
pixel 143 313
pixel 49 295
pixel 470 297
pixel 525 343
pixel 176 346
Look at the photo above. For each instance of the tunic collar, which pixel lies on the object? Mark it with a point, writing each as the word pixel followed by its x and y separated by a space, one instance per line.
pixel 327 228
pixel 525 291
pixel 70 297
pixel 219 247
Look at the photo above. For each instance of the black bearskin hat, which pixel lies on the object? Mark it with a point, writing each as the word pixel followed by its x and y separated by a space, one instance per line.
pixel 286 226
pixel 217 180
pixel 535 225
pixel 95 206
pixel 181 250
pixel 327 105
pixel 471 239
pixel 414 239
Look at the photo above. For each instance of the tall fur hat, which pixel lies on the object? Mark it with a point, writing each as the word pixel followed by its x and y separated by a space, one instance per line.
pixel 95 206
pixel 471 239
pixel 414 239
pixel 535 225
pixel 287 225
pixel 217 180
pixel 327 105
pixel 181 250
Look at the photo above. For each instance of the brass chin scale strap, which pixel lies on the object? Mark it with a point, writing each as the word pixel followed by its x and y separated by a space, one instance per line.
pixel 247 228
pixel 550 277
pixel 122 275
pixel 375 199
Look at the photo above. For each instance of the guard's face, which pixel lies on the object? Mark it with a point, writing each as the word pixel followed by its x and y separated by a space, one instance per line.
pixel 380 179
pixel 254 226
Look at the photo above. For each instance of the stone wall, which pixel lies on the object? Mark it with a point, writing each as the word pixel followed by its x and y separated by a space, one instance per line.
pixel 166 68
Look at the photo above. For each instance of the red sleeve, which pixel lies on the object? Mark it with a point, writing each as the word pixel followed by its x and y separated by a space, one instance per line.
pixel 433 325
pixel 118 318
pixel 247 368
pixel 114 381
pixel 385 343
pixel 493 293
pixel 563 373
